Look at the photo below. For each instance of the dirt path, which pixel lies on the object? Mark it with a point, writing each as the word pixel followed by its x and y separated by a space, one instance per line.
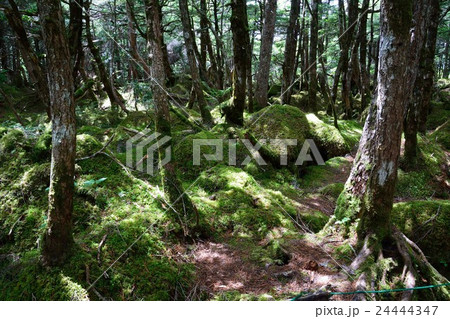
pixel 222 268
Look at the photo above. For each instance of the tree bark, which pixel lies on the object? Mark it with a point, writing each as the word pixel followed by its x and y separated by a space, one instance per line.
pixel 58 238
pixel 265 55
pixel 428 64
pixel 182 207
pixel 239 29
pixel 369 190
pixel 196 83
pixel 289 53
pixel 75 36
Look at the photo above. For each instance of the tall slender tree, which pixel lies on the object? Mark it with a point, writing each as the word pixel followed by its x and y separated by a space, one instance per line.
pixel 314 38
pixel 196 82
pixel 58 238
pixel 182 208
pixel 239 27
pixel 265 55
pixel 368 195
pixel 289 53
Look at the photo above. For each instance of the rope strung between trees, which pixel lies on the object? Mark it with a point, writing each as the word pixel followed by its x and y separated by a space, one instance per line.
pixel 302 295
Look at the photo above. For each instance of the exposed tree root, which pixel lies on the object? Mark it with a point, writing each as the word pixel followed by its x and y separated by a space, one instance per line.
pixel 416 268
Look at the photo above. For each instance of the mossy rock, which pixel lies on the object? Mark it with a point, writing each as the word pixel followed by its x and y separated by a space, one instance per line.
pixel 87 145
pixel 12 140
pixel 280 122
pixel 329 140
pixel 36 179
pixel 427 223
pixel 442 135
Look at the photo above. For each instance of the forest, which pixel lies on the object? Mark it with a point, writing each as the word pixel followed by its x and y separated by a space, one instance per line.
pixel 224 150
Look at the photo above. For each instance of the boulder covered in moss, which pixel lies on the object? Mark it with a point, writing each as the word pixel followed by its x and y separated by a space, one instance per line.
pixel 87 145
pixel 328 139
pixel 427 223
pixel 279 122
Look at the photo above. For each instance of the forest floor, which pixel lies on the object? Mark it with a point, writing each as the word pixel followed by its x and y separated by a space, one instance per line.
pixel 261 226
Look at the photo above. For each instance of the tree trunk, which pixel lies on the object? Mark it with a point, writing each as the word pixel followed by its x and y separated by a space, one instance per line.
pixel 75 36
pixel 314 38
pixel 265 55
pixel 428 65
pixel 362 39
pixel 423 84
pixel 446 70
pixel 182 207
pixel 114 96
pixel 196 83
pixel 58 238
pixel 239 27
pixel 370 188
pixel 30 59
pixel 347 65
pixel 137 58
pixel 289 53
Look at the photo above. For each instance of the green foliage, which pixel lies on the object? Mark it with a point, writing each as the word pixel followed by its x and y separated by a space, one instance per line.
pixel 87 145
pixel 426 223
pixel 442 135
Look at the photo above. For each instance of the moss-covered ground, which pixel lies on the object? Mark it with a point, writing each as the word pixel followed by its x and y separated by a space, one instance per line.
pixel 252 244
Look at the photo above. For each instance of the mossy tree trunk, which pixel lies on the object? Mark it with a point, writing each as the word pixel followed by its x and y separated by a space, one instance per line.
pixel 239 28
pixel 181 207
pixel 188 36
pixel 58 238
pixel 369 192
pixel 289 53
pixel 265 55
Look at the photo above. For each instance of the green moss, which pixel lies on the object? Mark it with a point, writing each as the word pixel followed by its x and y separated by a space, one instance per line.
pixel 314 220
pixel 280 122
pixel 87 145
pixel 36 179
pixel 442 135
pixel 328 138
pixel 332 190
pixel 414 185
pixel 427 224
pixel 440 112
pixel 347 207
pixel 42 148
pixel 137 120
pixel 12 140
